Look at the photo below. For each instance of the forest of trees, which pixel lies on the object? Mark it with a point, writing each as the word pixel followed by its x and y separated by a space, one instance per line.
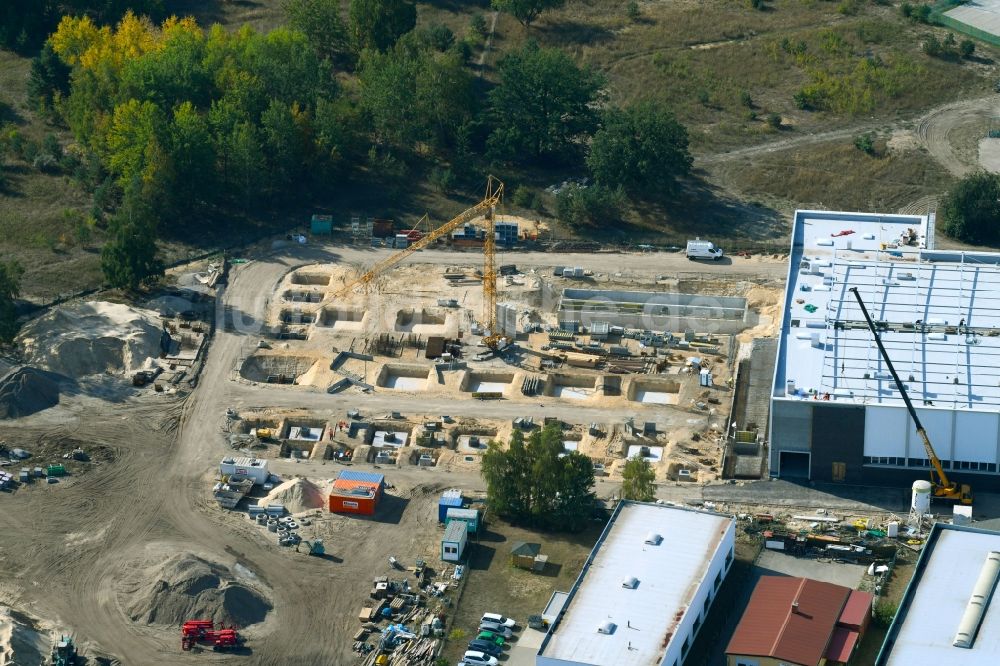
pixel 184 129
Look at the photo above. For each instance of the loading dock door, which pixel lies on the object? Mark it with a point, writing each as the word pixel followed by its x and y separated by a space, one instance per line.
pixel 793 465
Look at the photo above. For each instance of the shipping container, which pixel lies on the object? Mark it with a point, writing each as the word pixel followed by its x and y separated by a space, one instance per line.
pixel 382 228
pixel 321 224
pixel 468 516
pixel 456 537
pixel 348 503
pixel 449 499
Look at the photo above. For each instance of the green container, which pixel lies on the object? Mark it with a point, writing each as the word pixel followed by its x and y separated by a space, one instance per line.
pixel 56 470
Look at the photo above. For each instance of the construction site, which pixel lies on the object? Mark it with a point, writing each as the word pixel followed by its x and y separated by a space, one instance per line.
pixel 295 442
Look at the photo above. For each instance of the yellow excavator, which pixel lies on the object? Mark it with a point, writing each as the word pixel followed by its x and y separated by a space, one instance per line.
pixel 943 488
pixel 486 208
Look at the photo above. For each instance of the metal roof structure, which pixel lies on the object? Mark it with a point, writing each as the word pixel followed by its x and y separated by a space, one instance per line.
pixel 935 601
pixel 669 550
pixel 368 477
pixel 938 311
pixel 795 620
pixel 455 532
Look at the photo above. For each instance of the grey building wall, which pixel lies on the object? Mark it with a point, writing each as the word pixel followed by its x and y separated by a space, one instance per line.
pixel 791 429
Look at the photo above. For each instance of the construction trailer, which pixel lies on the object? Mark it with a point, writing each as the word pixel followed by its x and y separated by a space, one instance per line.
pixel 450 499
pixel 468 516
pixel 251 468
pixel 454 541
pixel 321 224
pixel 356 492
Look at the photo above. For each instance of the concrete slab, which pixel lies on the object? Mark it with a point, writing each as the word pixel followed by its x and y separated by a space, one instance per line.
pixel 772 563
pixel 522 652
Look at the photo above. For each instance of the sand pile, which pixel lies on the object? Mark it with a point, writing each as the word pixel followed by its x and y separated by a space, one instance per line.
pixel 296 495
pixel 21 641
pixel 93 338
pixel 27 390
pixel 185 587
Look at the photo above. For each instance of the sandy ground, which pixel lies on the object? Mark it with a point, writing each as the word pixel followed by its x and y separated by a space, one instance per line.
pixel 68 545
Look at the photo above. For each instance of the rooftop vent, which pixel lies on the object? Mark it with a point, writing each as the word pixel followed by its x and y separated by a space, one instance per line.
pixel 976 607
pixel 607 628
pixel 631 583
pixel 653 539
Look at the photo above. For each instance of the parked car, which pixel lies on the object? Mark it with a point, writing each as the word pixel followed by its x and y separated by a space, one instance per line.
pixel 485 646
pixel 476 658
pixel 492 637
pixel 495 628
pixel 499 619
pixel 701 249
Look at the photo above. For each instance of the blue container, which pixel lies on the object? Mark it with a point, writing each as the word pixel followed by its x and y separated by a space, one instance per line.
pixel 448 501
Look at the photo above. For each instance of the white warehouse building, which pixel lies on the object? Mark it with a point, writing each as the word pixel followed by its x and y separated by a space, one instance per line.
pixel 836 414
pixel 645 590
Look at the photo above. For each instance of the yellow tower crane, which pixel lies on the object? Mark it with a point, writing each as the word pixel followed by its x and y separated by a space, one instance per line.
pixel 486 208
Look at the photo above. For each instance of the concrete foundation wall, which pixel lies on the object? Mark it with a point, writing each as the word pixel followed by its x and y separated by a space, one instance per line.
pixel 653 310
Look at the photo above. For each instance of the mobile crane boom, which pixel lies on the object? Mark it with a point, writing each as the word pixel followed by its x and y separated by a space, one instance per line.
pixel 943 487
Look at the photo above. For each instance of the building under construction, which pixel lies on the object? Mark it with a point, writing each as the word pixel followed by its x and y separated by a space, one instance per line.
pixel 836 412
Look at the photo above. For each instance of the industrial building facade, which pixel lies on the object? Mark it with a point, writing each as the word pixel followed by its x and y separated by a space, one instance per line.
pixel 645 590
pixel 836 414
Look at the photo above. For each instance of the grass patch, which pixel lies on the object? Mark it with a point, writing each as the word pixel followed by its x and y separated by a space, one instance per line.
pixel 837 176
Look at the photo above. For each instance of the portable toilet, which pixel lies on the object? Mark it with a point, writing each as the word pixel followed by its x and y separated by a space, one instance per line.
pixel 456 537
pixel 468 516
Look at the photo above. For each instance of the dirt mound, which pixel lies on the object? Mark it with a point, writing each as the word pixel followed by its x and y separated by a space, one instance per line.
pixel 185 587
pixel 91 338
pixel 21 640
pixel 296 495
pixel 27 390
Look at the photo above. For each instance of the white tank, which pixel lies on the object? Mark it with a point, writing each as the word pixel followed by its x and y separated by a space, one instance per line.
pixel 893 531
pixel 790 387
pixel 921 500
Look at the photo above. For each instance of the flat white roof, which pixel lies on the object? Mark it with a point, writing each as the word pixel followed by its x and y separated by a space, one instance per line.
pixel 982 14
pixel 669 575
pixel 935 602
pixel 940 310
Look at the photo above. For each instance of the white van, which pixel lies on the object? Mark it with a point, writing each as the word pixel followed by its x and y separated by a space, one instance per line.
pixel 700 249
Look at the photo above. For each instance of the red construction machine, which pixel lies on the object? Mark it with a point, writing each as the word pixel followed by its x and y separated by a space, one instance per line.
pixel 204 632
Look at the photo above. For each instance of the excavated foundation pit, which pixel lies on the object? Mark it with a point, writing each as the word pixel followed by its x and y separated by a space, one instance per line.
pixel 275 368
pixel 341 319
pixel 312 279
pixel 403 377
pixel 487 382
pixel 654 391
pixel 427 321
pixel 300 296
pixel 297 317
pixel 570 387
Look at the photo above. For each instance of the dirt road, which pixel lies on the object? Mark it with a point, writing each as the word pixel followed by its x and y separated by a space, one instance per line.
pixel 932 128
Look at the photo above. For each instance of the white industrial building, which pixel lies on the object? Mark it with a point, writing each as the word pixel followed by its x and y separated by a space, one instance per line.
pixel 836 414
pixel 949 613
pixel 645 590
pixel 251 468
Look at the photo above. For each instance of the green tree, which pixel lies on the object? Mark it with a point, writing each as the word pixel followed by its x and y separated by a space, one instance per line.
pixel 966 48
pixel 531 483
pixel 48 81
pixel 192 159
pixel 378 24
pixel 10 289
pixel 129 258
pixel 321 22
pixel 591 206
pixel 543 106
pixel 642 149
pixel 284 141
pixel 970 211
pixel 637 480
pixel 526 11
